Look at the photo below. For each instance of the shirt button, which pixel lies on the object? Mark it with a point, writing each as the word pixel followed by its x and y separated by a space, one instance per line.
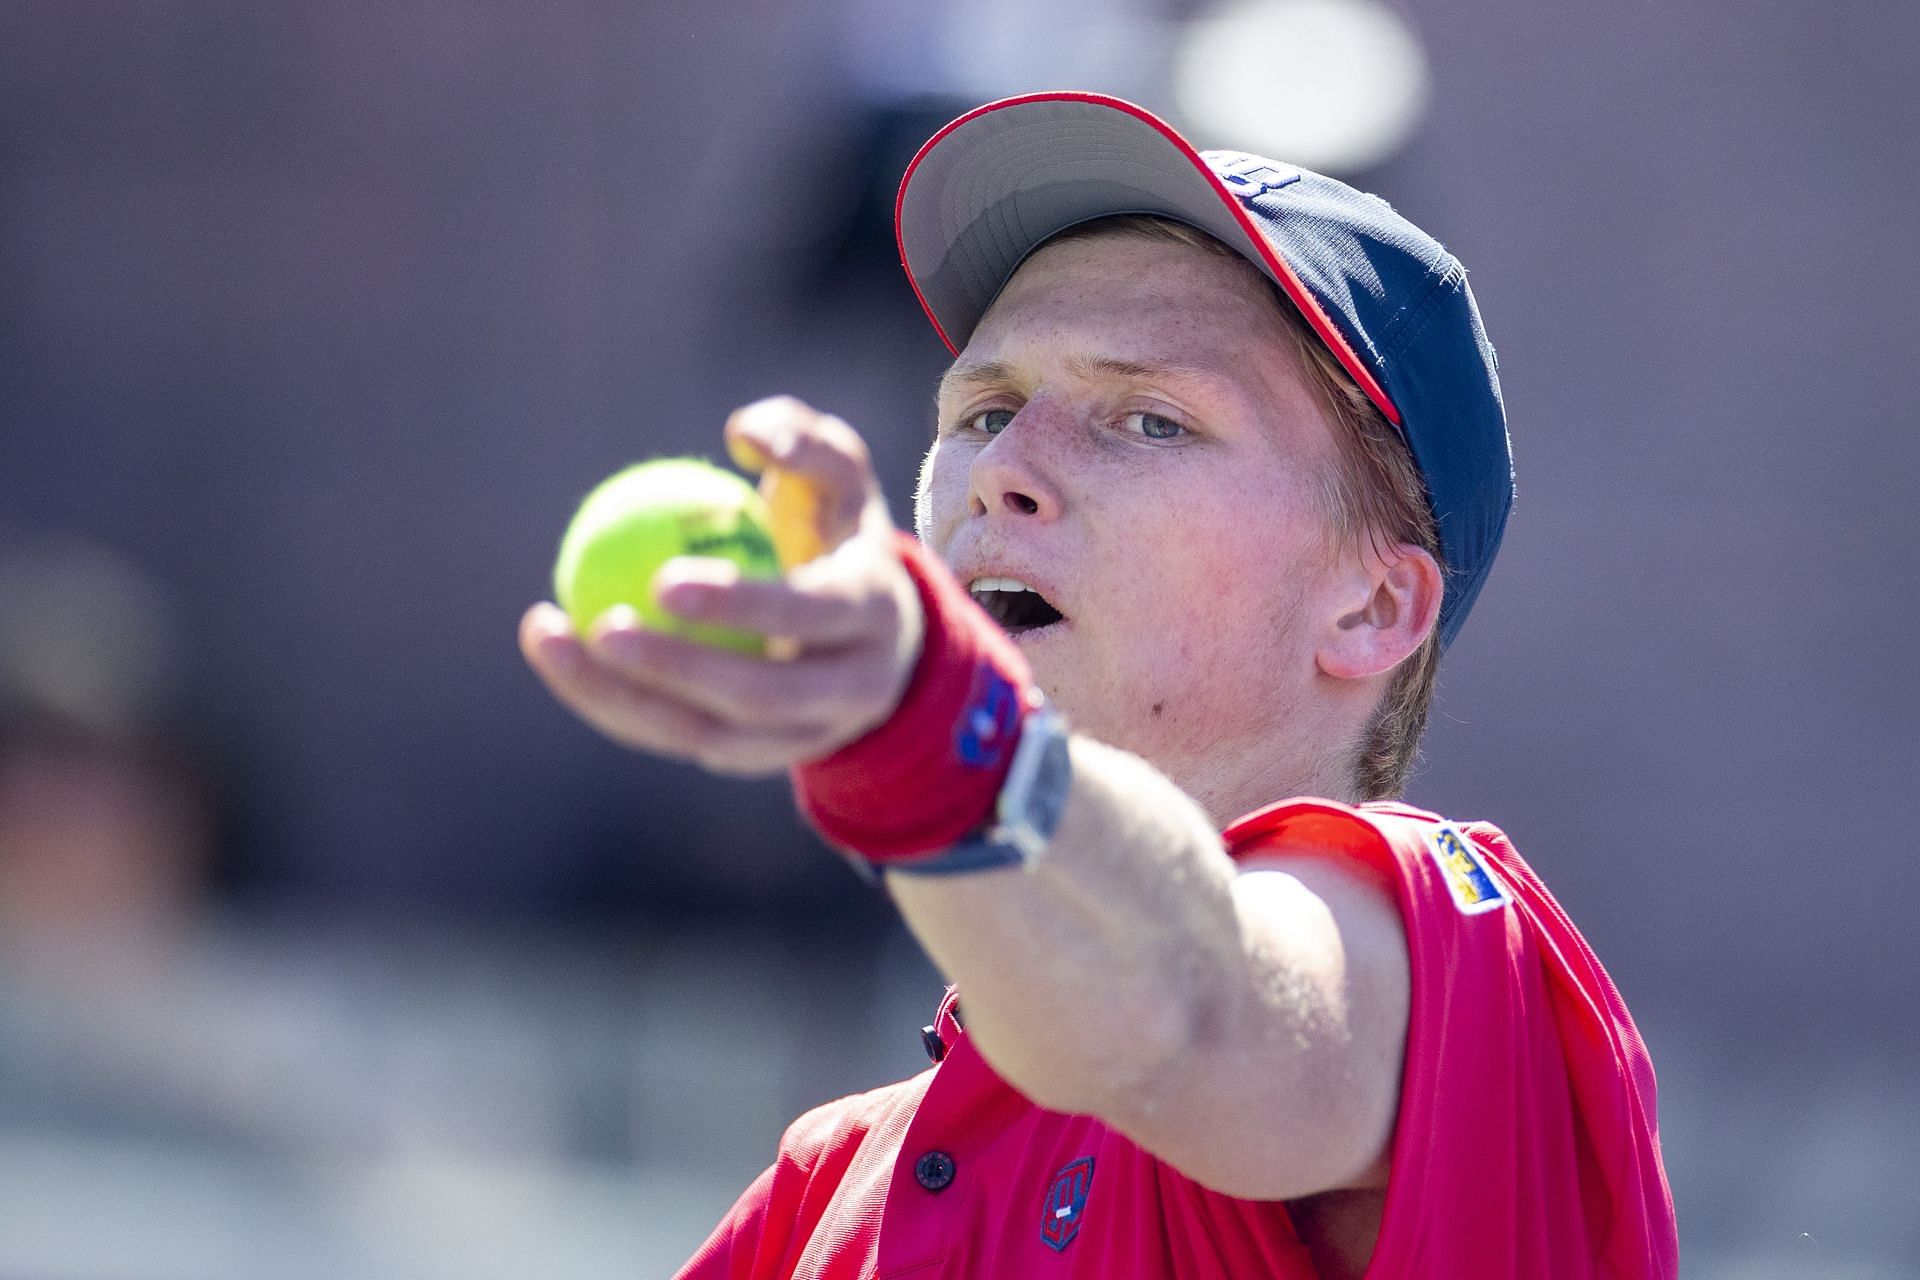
pixel 934 1170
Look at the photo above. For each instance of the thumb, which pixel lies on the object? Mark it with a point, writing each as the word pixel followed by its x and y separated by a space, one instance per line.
pixel 816 474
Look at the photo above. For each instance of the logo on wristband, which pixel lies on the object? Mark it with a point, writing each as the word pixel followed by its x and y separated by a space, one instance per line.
pixel 986 730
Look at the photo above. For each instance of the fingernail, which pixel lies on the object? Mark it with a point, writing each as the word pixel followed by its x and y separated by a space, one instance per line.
pixel 619 617
pixel 686 599
pixel 613 631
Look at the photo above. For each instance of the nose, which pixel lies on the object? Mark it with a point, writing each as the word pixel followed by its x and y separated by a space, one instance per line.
pixel 1011 475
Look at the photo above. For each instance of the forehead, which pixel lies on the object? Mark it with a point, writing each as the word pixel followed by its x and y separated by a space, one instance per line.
pixel 1162 296
pixel 1116 302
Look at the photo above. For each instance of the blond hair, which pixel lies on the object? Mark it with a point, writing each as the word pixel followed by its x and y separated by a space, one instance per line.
pixel 1374 491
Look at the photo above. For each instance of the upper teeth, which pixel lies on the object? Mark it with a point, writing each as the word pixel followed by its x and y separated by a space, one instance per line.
pixel 996 584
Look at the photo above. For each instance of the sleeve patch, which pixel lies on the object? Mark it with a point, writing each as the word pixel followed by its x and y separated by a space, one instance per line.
pixel 1469 879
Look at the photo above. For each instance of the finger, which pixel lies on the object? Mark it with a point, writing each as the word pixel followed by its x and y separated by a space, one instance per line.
pixel 829 455
pixel 793 503
pixel 807 694
pixel 547 638
pixel 822 607
pixel 793 516
pixel 656 722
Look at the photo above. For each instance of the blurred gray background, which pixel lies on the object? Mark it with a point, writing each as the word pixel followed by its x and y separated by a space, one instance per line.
pixel 335 948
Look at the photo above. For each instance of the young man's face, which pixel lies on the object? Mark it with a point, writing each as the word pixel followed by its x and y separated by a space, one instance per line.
pixel 1128 434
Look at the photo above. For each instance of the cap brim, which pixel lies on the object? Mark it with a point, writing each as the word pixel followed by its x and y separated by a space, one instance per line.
pixel 992 186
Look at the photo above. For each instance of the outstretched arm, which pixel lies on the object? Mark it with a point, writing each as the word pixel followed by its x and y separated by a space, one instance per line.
pixel 1244 1024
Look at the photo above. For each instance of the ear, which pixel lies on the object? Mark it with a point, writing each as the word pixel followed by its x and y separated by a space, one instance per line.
pixel 1392 603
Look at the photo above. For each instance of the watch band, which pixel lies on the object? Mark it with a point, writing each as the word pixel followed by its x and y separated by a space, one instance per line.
pixel 1025 814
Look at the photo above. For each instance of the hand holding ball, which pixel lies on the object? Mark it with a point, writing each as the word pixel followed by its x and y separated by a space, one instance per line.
pixel 646 515
pixel 809 560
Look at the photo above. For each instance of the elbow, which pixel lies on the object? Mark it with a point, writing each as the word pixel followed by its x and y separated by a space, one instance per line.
pixel 1149 1048
pixel 1117 1063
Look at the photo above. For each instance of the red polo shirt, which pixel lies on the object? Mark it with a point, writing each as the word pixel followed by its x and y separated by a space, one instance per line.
pixel 1526 1145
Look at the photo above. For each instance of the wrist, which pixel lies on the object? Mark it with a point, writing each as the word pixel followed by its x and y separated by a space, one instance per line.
pixel 929 775
pixel 1025 813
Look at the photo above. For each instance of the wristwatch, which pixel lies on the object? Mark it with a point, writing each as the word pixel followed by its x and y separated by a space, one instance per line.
pixel 1025 814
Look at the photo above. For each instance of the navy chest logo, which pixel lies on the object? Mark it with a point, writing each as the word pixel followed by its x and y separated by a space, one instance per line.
pixel 1066 1202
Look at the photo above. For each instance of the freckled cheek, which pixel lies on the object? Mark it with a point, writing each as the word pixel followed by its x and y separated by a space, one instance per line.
pixel 1152 615
pixel 1214 554
pixel 1226 580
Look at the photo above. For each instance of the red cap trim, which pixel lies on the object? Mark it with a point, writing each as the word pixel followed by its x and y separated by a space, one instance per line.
pixel 1302 297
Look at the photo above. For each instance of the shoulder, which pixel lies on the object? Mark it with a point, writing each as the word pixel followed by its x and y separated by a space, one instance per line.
pixel 1411 853
pixel 1340 827
pixel 1523 1068
pixel 835 1129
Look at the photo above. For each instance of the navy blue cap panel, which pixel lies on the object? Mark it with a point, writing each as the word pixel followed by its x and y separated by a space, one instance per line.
pixel 1403 301
pixel 1460 440
pixel 1310 223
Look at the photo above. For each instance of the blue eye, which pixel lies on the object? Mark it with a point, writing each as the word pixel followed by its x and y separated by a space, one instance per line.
pixel 1154 426
pixel 991 421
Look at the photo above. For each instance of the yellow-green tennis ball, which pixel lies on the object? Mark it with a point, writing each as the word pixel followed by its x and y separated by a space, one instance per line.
pixel 644 516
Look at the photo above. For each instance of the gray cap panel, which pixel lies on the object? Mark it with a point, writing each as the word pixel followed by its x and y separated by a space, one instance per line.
pixel 972 212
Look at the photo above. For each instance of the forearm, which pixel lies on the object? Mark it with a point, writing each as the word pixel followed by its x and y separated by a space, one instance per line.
pixel 1243 1025
pixel 1087 975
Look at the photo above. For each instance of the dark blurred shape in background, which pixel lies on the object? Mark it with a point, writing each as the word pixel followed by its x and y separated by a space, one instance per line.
pixel 357 956
pixel 107 821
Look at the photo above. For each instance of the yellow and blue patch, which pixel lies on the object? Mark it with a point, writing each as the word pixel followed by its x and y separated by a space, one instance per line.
pixel 1474 886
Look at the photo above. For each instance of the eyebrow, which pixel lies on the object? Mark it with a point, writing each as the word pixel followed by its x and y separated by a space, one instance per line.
pixel 984 373
pixel 990 372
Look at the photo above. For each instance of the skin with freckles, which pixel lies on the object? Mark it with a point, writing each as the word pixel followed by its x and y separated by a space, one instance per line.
pixel 1128 432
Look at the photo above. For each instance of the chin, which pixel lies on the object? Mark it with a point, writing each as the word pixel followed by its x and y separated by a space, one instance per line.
pixel 1053 671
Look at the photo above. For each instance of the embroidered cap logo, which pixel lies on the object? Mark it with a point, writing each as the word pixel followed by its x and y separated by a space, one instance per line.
pixel 1066 1201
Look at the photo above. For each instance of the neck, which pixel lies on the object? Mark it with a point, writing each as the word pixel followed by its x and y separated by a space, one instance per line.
pixel 1232 755
pixel 1232 779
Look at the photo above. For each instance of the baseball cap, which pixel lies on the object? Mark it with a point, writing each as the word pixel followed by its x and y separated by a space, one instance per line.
pixel 1388 301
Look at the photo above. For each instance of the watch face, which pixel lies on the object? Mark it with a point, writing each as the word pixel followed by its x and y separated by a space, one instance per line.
pixel 1048 799
pixel 1035 793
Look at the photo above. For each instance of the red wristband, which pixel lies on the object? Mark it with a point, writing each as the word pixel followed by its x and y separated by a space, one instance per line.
pixel 931 773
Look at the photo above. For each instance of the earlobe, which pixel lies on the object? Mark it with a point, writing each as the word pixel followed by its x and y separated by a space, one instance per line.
pixel 1396 604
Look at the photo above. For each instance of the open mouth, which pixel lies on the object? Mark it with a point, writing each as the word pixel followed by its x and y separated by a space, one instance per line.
pixel 1013 604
